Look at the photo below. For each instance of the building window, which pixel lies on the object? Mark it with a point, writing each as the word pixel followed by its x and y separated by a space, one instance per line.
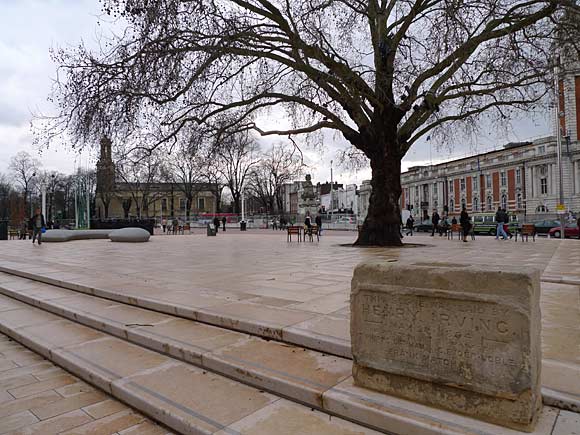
pixel 518 176
pixel 541 209
pixel 504 202
pixel 462 184
pixel 425 192
pixel 488 181
pixel 519 201
pixel 475 183
pixel 544 186
pixel 435 193
pixel 541 149
pixel 503 179
pixel 164 204
pixel 463 204
pixel 451 205
pixel 416 192
pixel 475 204
pixel 489 203
pixel 201 203
pixel 182 203
pixel 451 186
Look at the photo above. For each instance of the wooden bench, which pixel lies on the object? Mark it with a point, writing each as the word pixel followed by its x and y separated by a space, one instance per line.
pixel 294 230
pixel 455 228
pixel 313 231
pixel 13 234
pixel 527 230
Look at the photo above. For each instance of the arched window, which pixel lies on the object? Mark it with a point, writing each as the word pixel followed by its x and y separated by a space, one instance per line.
pixel 463 204
pixel 451 205
pixel 475 204
pixel 504 202
pixel 489 203
pixel 519 204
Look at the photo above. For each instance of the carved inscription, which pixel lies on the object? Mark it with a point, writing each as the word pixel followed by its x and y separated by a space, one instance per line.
pixel 480 345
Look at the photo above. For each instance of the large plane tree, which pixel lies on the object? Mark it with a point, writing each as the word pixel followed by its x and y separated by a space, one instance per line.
pixel 380 73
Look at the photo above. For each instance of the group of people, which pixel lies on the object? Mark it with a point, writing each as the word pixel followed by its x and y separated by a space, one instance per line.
pixel 442 225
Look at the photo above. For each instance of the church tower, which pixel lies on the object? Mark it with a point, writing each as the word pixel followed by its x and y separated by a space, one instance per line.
pixel 105 168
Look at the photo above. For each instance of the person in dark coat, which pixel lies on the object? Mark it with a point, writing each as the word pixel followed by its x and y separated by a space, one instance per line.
pixel 216 223
pixel 37 224
pixel 409 224
pixel 318 222
pixel 224 220
pixel 435 221
pixel 465 223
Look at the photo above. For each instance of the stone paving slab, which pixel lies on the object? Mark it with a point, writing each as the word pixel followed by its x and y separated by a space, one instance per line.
pixel 43 408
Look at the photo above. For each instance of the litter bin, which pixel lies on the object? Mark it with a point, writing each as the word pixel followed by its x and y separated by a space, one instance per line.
pixel 211 230
pixel 242 225
pixel 3 230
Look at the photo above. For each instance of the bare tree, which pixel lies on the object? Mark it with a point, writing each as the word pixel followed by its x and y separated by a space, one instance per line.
pixel 5 192
pixel 24 169
pixel 186 165
pixel 236 154
pixel 279 165
pixel 381 73
pixel 139 173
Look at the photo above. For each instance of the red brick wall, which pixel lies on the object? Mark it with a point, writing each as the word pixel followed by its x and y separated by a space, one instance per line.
pixel 495 185
pixel 469 193
pixel 511 178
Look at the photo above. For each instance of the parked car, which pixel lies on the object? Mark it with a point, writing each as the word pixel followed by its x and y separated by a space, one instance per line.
pixel 544 227
pixel 346 220
pixel 426 226
pixel 484 223
pixel 570 230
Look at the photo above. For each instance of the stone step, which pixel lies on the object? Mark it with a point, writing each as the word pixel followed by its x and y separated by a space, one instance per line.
pixel 324 333
pixel 328 335
pixel 306 376
pixel 185 398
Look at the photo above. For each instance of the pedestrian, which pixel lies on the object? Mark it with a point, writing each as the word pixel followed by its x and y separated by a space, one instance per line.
pixel 274 224
pixel 499 220
pixel 216 224
pixel 318 221
pixel 506 219
pixel 454 221
pixel 24 228
pixel 409 224
pixel 465 223
pixel 37 223
pixel 435 221
pixel 444 225
pixel 308 221
pixel 164 224
pixel 224 220
pixel 175 225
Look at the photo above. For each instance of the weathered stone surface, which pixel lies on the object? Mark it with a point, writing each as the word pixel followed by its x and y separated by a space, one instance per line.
pixel 458 337
pixel 129 235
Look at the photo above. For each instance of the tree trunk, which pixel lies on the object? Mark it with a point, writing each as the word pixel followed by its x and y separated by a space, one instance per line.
pixel 382 225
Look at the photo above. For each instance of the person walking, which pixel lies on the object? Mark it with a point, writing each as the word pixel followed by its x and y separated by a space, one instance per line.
pixel 500 219
pixel 435 221
pixel 37 223
pixel 318 221
pixel 216 224
pixel 465 223
pixel 224 221
pixel 409 224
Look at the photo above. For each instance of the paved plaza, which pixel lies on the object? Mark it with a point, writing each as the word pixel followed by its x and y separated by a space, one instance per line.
pixel 258 283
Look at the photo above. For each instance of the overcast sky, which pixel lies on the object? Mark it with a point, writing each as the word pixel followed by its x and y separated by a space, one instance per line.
pixel 29 28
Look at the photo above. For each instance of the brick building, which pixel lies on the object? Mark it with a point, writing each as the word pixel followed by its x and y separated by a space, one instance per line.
pixel 522 177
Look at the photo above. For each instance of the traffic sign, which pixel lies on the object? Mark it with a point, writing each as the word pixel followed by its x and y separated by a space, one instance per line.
pixel 560 207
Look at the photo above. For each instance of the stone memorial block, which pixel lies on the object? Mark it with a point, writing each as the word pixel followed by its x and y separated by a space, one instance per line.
pixel 459 337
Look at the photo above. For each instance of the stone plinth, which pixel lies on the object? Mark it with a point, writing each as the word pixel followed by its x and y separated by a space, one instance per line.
pixel 459 337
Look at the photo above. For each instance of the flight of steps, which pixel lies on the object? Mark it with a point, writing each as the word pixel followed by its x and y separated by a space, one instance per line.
pixel 198 378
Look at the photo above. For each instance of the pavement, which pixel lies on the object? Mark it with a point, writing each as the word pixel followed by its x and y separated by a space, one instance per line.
pixel 259 283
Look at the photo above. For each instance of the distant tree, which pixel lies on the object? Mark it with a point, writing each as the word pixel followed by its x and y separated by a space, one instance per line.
pixel 24 169
pixel 235 156
pixel 139 172
pixel 186 166
pixel 380 73
pixel 5 192
pixel 279 165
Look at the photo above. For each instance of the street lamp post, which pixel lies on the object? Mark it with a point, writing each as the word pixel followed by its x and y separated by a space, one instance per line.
pixel 331 196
